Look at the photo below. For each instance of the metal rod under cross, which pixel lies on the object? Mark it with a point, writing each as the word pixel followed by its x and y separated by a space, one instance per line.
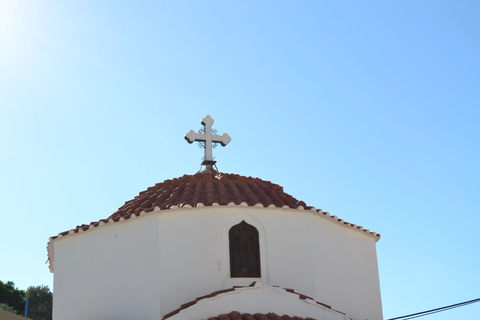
pixel 208 139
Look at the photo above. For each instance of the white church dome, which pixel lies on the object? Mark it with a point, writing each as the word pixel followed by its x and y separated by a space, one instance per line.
pixel 215 246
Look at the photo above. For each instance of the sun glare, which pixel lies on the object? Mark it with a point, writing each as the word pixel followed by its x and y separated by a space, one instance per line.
pixel 15 30
pixel 10 12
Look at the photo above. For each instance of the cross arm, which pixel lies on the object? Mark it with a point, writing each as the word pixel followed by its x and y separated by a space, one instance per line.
pixel 192 136
pixel 224 139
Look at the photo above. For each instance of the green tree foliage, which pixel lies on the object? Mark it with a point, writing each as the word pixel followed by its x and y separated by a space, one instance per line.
pixel 12 296
pixel 6 307
pixel 40 300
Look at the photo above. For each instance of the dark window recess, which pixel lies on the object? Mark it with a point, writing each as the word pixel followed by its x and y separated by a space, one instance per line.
pixel 244 251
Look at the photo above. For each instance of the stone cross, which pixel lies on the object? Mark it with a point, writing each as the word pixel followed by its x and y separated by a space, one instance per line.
pixel 208 139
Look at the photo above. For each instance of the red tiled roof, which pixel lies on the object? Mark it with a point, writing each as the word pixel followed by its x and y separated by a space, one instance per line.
pixel 207 189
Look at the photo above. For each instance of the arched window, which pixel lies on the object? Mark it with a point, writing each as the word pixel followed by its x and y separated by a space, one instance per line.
pixel 244 251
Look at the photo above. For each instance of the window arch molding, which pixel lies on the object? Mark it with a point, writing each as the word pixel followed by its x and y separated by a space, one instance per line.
pixel 236 219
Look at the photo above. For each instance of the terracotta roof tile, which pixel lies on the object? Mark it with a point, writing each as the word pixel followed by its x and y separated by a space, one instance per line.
pixel 208 188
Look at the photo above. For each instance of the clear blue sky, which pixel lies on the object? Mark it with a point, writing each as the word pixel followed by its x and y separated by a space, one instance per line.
pixel 367 109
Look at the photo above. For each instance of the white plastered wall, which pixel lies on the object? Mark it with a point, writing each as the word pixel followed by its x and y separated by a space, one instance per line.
pixel 110 272
pixel 150 265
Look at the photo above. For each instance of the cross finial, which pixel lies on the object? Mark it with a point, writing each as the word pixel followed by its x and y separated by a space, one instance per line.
pixel 208 139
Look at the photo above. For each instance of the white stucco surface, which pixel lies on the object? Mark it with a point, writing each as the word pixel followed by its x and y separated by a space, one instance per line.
pixel 152 264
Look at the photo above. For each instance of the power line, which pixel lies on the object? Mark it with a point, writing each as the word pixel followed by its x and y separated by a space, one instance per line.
pixel 426 313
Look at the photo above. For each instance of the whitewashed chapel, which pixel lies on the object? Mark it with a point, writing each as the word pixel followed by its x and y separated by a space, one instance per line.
pixel 215 246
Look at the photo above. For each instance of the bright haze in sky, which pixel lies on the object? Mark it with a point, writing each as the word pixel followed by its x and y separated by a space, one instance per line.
pixel 369 110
